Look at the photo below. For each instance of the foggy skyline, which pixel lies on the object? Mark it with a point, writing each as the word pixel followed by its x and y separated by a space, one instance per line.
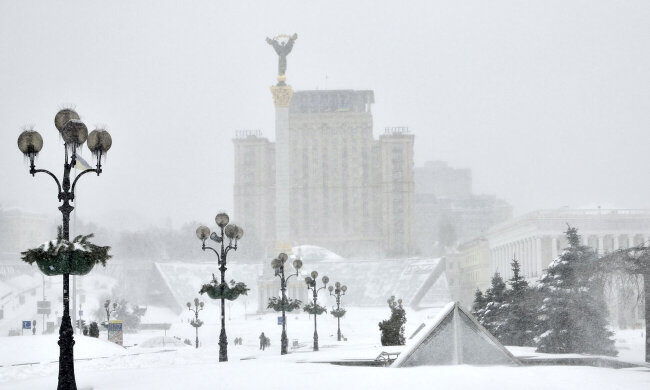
pixel 545 102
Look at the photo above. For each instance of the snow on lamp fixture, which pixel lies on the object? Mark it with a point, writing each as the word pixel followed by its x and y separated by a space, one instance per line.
pixel 30 143
pixel 64 116
pixel 202 232
pixel 74 133
pixel 99 142
pixel 231 231
pixel 222 220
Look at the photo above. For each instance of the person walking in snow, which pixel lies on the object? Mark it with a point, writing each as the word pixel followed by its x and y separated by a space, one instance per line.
pixel 262 341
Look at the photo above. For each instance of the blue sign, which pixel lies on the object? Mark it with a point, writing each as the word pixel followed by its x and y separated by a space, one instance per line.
pixel 115 331
pixel 280 320
pixel 115 326
pixel 27 324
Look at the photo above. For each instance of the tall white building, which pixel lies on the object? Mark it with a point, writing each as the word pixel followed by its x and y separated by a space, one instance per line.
pixel 326 180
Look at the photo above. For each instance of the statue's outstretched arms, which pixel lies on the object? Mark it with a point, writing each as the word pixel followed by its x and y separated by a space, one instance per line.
pixel 275 44
pixel 289 45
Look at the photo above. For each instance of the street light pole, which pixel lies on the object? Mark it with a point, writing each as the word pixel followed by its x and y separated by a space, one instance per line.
pixel 234 233
pixel 196 323
pixel 74 133
pixel 311 285
pixel 338 291
pixel 278 266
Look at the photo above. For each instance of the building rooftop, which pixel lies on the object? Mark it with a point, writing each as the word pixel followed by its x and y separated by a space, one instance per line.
pixel 331 101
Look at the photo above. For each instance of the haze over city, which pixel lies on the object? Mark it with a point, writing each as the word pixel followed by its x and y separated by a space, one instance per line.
pixel 335 194
pixel 545 103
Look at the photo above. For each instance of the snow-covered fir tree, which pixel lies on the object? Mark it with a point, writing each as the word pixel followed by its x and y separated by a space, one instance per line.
pixel 478 307
pixel 490 311
pixel 573 316
pixel 518 310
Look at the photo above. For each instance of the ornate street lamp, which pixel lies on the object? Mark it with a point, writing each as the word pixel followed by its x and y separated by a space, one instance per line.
pixel 216 289
pixel 196 323
pixel 285 304
pixel 314 308
pixel 74 133
pixel 337 291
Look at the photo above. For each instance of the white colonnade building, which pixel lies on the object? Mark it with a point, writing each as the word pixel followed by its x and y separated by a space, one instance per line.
pixel 536 238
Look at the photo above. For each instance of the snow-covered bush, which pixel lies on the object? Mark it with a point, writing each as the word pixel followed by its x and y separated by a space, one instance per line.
pixel 392 329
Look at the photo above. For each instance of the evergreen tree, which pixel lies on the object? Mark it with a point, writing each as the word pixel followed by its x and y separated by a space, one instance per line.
pixel 518 284
pixel 572 317
pixel 478 308
pixel 492 314
pixel 519 311
pixel 93 331
pixel 392 329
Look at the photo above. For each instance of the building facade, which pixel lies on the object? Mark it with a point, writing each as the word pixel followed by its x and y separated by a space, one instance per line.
pixel 326 180
pixel 468 270
pixel 537 238
pixel 447 211
pixel 254 190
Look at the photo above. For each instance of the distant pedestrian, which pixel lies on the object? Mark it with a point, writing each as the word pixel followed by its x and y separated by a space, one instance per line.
pixel 262 341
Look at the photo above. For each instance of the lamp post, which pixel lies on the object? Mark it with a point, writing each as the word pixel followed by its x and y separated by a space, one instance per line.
pixel 278 266
pixel 337 291
pixel 234 233
pixel 196 323
pixel 311 285
pixel 74 133
pixel 109 311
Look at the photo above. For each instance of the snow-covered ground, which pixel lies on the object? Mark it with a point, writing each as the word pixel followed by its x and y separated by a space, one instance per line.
pixel 146 363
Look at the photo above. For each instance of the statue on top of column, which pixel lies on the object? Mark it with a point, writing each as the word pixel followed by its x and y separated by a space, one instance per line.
pixel 282 45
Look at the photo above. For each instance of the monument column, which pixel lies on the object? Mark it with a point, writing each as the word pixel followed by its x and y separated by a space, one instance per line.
pixel 282 93
pixel 282 99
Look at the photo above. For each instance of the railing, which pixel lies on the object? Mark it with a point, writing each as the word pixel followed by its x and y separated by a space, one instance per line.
pixel 387 358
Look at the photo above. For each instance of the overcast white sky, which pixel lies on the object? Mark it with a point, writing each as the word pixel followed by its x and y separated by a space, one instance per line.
pixel 547 102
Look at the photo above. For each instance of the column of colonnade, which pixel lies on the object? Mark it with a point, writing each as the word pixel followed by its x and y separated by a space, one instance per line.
pixel 538 256
pixel 525 257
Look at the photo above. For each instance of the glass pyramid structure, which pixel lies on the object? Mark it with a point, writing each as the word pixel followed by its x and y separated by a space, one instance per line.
pixel 454 337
